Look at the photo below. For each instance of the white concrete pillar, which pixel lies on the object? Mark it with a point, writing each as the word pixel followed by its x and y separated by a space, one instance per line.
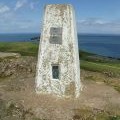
pixel 58 69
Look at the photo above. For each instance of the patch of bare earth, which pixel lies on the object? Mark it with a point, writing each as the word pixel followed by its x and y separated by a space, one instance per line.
pixel 18 100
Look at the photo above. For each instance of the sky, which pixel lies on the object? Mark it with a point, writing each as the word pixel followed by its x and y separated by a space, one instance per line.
pixel 92 16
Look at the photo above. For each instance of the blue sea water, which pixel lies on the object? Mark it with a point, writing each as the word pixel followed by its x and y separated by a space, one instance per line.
pixel 106 45
pixel 17 37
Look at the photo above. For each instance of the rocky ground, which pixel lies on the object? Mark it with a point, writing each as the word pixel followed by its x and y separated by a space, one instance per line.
pixel 18 100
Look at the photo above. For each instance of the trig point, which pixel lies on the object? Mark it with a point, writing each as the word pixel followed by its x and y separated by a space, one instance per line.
pixel 58 69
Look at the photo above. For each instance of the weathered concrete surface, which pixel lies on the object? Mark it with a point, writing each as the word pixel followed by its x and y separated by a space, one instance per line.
pixel 65 54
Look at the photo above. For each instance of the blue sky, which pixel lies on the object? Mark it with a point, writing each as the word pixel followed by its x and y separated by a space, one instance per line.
pixel 92 16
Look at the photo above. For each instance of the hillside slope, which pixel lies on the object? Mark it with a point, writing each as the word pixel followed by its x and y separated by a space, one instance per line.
pixel 18 100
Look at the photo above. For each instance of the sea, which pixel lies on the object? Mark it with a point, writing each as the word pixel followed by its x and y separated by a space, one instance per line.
pixel 101 44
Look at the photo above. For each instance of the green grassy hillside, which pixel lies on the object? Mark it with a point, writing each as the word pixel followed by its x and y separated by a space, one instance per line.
pixel 24 48
pixel 88 61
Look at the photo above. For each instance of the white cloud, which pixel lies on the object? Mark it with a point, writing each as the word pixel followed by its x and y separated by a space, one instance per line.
pixel 92 21
pixel 20 4
pixel 4 9
pixel 11 21
pixel 96 25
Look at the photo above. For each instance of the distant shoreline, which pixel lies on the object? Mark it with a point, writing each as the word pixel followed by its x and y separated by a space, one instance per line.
pixel 101 44
pixel 6 47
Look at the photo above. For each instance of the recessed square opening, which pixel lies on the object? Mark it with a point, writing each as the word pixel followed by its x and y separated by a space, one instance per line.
pixel 55 71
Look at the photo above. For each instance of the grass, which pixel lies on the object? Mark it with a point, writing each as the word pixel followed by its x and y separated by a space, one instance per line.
pixel 110 70
pixel 94 114
pixel 14 110
pixel 24 48
pixel 90 62
pixel 106 66
pixel 109 67
pixel 114 83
